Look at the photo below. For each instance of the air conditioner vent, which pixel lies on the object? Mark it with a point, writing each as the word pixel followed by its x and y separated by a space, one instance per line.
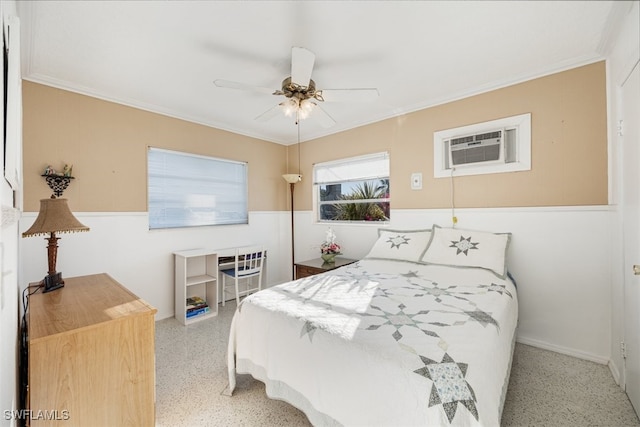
pixel 481 154
pixel 489 135
pixel 479 148
pixel 463 140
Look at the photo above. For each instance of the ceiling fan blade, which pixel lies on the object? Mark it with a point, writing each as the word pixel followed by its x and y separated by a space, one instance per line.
pixel 269 114
pixel 302 61
pixel 322 117
pixel 349 95
pixel 242 86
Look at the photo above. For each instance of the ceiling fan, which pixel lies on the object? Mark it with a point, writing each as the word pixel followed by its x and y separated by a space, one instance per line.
pixel 302 95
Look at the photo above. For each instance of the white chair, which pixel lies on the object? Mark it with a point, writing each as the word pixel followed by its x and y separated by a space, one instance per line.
pixel 247 266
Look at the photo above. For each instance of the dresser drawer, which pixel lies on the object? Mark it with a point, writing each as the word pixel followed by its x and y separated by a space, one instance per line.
pixel 305 271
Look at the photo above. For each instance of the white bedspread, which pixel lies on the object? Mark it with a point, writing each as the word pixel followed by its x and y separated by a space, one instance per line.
pixel 382 343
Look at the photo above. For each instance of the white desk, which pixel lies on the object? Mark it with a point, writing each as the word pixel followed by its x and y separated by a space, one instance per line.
pixel 197 273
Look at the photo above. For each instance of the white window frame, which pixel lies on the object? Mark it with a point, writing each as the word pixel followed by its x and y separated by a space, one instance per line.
pixel 522 124
pixel 376 167
pixel 195 190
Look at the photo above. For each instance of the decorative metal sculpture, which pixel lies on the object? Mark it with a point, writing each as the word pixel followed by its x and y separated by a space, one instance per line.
pixel 58 183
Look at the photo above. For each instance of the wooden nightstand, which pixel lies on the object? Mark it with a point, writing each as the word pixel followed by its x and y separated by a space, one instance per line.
pixel 317 266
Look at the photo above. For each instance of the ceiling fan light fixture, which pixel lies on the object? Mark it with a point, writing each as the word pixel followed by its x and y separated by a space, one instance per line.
pixel 290 106
pixel 306 107
pixel 300 91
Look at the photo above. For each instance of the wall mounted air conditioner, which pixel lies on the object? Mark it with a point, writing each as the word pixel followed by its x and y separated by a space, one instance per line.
pixel 496 146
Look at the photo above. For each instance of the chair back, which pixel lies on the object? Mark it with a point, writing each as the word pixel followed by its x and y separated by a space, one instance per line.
pixel 249 261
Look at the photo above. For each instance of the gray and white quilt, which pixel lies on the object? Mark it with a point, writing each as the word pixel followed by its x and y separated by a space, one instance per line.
pixel 382 343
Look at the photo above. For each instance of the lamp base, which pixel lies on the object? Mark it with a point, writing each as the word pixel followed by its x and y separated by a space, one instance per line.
pixel 53 282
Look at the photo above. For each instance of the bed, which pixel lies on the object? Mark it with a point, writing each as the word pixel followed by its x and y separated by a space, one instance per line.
pixel 419 332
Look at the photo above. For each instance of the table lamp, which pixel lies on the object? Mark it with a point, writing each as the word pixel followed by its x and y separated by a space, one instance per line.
pixel 54 217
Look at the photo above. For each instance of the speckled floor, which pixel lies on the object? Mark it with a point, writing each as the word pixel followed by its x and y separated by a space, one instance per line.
pixel 546 388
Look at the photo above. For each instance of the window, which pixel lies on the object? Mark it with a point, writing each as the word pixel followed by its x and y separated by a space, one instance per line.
pixel 187 190
pixel 354 189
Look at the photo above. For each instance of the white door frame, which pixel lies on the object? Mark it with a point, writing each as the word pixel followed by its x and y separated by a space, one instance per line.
pixel 629 135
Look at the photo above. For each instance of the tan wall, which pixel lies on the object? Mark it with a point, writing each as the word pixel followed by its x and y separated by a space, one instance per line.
pixel 569 147
pixel 107 144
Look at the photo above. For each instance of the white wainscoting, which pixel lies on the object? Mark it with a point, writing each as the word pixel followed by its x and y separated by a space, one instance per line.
pixel 121 245
pixel 559 257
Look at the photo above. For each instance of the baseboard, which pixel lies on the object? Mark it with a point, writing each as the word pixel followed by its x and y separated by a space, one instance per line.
pixel 615 373
pixel 564 350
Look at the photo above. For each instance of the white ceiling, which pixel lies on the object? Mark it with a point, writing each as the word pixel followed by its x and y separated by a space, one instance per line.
pixel 163 56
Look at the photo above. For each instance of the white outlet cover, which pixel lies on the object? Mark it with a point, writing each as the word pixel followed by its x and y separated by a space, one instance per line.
pixel 416 181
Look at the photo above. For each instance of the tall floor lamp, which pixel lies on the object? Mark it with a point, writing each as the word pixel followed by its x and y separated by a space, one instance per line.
pixel 292 179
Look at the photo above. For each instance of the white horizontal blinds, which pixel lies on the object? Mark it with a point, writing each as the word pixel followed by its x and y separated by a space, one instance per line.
pixel 186 190
pixel 362 168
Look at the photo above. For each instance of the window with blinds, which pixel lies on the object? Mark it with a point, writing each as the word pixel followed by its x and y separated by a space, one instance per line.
pixel 188 190
pixel 354 189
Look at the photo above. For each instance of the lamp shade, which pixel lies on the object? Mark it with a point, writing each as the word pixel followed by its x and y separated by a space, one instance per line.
pixel 292 178
pixel 54 217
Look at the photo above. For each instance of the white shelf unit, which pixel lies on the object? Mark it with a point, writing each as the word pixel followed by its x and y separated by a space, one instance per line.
pixel 196 274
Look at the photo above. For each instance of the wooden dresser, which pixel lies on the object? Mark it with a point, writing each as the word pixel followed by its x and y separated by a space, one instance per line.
pixel 91 355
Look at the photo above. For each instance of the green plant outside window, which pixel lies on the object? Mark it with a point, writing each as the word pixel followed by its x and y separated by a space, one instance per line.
pixel 366 200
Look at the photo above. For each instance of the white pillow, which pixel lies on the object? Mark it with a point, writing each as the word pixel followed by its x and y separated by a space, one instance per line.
pixel 401 245
pixel 467 248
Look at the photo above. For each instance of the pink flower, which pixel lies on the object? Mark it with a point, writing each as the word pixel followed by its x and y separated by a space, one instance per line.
pixel 330 248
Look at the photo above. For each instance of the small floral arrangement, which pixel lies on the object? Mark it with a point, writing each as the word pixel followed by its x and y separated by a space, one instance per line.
pixel 329 246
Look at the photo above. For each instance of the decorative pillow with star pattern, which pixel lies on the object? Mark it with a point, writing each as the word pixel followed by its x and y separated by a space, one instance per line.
pixel 400 245
pixel 468 248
